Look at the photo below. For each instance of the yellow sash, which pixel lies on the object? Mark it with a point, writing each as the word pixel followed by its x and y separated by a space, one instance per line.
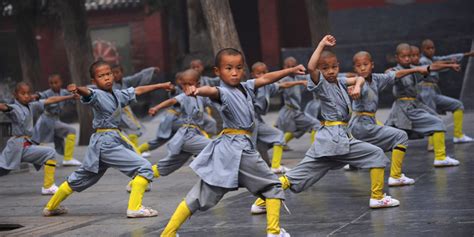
pixel 234 131
pixel 125 138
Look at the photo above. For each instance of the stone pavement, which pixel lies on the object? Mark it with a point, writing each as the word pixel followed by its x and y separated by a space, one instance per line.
pixel 439 204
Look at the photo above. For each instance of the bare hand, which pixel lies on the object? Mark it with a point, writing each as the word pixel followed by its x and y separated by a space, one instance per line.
pixel 354 92
pixel 469 54
pixel 35 96
pixel 152 111
pixel 299 70
pixel 191 90
pixel 328 40
pixel 423 70
pixel 167 86
pixel 456 67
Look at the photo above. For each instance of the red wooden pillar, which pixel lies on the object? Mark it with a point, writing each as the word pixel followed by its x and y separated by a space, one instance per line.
pixel 156 40
pixel 269 32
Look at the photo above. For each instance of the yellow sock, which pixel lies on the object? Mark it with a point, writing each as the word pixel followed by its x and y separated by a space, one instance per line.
pixel 277 154
pixel 398 154
pixel 139 184
pixel 63 192
pixel 144 147
pixel 133 139
pixel 458 116
pixel 49 169
pixel 288 136
pixel 313 136
pixel 179 217
pixel 273 216
pixel 69 146
pixel 376 179
pixel 439 146
pixel 156 172
pixel 285 184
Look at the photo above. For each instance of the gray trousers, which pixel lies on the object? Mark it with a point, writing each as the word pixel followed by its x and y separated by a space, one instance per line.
pixel 311 170
pixel 254 174
pixel 119 157
pixel 191 146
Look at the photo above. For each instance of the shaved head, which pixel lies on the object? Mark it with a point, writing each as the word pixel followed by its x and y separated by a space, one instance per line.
pixel 426 42
pixel 258 64
pixel 403 46
pixel 362 54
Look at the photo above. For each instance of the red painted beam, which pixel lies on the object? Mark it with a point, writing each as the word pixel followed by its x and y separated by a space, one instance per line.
pixel 269 32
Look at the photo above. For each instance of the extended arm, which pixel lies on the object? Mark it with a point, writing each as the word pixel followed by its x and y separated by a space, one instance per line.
pixel 165 104
pixel 440 66
pixel 356 84
pixel 272 77
pixel 148 88
pixel 205 91
pixel 401 73
pixel 4 107
pixel 57 99
pixel 289 84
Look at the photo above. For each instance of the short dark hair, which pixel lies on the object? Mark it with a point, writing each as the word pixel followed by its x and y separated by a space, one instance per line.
pixel 20 84
pixel 95 65
pixel 227 51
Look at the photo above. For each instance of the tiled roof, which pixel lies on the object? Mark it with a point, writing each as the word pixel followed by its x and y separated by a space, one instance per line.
pixel 91 5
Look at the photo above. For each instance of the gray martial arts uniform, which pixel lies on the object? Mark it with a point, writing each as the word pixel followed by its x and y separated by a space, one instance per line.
pixel 210 124
pixel 231 161
pixel 363 125
pixel 291 118
pixel 430 93
pixel 312 110
pixel 265 133
pixel 188 140
pixel 20 147
pixel 408 113
pixel 108 148
pixel 169 123
pixel 209 81
pixel 334 146
pixel 130 123
pixel 49 128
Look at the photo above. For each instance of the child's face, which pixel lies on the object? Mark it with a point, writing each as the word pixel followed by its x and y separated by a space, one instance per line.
pixel 403 57
pixel 329 67
pixel 415 56
pixel 23 94
pixel 103 77
pixel 363 66
pixel 118 74
pixel 197 66
pixel 188 80
pixel 289 63
pixel 429 49
pixel 259 71
pixel 55 83
pixel 231 69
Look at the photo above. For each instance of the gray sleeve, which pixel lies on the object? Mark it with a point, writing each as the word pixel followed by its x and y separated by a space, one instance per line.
pixel 139 79
pixel 384 79
pixel 456 57
pixel 181 98
pixel 92 98
pixel 37 106
pixel 126 96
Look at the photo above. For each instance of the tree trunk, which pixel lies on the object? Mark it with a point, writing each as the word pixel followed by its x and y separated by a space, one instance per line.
pixel 198 35
pixel 220 24
pixel 77 42
pixel 26 39
pixel 317 11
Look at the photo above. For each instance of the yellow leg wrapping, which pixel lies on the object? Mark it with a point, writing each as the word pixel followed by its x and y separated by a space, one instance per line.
pixel 49 169
pixel 69 146
pixel 273 216
pixel 144 147
pixel 313 136
pixel 398 154
pixel 260 202
pixel 63 192
pixel 439 146
pixel 288 137
pixel 285 183
pixel 277 154
pixel 133 139
pixel 179 217
pixel 430 140
pixel 458 116
pixel 376 178
pixel 156 172
pixel 139 184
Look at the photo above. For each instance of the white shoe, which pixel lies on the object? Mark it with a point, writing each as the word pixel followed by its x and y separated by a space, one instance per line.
pixel 430 147
pixel 446 162
pixel 402 181
pixel 257 210
pixel 143 212
pixel 56 212
pixel 146 154
pixel 129 187
pixel 280 170
pixel 463 139
pixel 283 233
pixel 49 191
pixel 72 162
pixel 386 201
pixel 349 168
